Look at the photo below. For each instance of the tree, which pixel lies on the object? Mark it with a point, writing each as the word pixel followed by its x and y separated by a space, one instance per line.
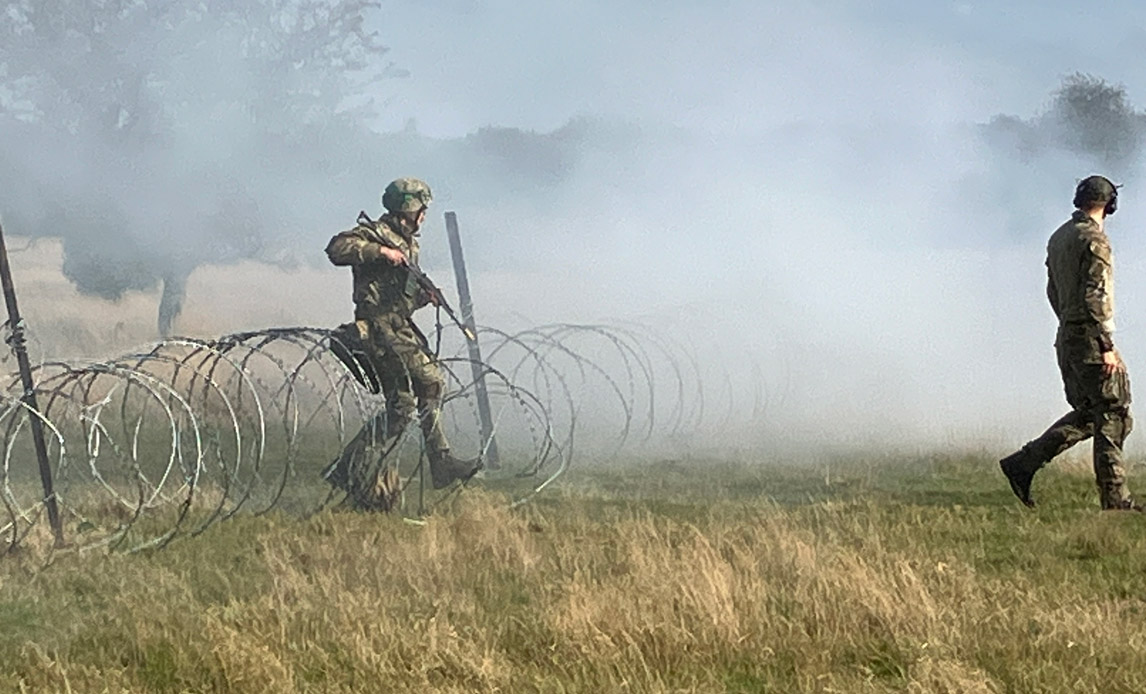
pixel 1087 117
pixel 157 135
pixel 1094 117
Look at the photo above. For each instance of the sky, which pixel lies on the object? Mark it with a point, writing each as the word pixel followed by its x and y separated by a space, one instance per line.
pixel 805 190
pixel 743 66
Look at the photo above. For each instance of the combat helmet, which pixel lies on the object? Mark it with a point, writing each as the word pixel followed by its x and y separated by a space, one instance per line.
pixel 406 195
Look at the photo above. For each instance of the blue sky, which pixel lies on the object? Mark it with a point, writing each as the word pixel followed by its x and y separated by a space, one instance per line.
pixel 737 65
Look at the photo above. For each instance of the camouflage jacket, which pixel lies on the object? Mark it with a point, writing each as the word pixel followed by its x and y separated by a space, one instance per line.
pixel 380 287
pixel 1080 283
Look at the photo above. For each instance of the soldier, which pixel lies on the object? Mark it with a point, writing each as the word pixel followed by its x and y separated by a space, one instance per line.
pixel 1081 293
pixel 385 298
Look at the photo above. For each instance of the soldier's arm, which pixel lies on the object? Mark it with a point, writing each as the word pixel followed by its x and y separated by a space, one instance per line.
pixel 1052 294
pixel 1099 288
pixel 352 248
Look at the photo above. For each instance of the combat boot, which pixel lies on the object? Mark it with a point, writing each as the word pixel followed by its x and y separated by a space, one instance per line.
pixel 1122 505
pixel 445 469
pixel 1019 473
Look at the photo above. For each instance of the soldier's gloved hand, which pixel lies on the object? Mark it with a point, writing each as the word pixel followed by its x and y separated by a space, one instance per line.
pixel 394 255
pixel 1112 362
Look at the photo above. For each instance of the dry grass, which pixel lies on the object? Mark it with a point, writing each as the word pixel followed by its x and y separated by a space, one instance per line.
pixel 671 578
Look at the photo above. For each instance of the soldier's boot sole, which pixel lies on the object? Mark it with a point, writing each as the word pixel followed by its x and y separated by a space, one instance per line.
pixel 1019 475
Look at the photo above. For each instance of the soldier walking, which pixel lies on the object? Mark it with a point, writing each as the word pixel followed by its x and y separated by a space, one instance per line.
pixel 386 294
pixel 1081 293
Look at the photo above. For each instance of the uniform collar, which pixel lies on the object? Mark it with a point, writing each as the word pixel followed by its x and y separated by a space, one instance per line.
pixel 1081 217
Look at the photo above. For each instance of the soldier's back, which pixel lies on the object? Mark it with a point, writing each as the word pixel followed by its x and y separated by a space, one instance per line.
pixel 1069 251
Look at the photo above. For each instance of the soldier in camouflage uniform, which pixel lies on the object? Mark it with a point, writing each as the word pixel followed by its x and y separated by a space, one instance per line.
pixel 1081 293
pixel 385 298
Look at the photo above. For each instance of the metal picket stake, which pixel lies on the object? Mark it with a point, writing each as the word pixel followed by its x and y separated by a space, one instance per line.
pixel 489 443
pixel 16 342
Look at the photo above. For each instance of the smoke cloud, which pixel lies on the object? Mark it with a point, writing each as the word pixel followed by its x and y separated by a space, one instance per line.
pixel 852 200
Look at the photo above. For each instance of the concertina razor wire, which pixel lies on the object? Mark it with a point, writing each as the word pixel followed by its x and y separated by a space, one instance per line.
pixel 166 442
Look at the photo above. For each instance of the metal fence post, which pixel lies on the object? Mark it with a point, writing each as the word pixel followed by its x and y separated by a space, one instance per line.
pixel 16 341
pixel 489 443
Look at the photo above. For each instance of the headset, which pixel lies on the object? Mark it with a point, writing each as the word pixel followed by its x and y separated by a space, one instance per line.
pixel 1083 200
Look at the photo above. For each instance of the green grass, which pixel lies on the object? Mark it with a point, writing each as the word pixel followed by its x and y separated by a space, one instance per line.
pixel 851 575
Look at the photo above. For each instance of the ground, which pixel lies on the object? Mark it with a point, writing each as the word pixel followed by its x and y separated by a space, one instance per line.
pixel 860 574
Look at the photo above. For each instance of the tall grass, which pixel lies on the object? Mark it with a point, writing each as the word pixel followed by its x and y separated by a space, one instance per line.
pixel 902 576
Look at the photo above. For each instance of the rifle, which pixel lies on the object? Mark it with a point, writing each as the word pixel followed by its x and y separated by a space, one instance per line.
pixel 427 284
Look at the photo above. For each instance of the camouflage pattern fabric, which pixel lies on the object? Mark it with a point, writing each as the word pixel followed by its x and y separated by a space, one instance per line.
pixel 1081 293
pixel 361 470
pixel 410 377
pixel 1080 276
pixel 413 385
pixel 406 195
pixel 1101 409
pixel 380 287
pixel 398 360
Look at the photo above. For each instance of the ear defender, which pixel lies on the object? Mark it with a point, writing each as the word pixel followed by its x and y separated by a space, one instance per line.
pixel 1112 204
pixel 1085 193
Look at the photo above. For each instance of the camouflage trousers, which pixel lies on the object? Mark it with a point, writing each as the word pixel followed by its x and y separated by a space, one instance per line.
pixel 1100 409
pixel 408 376
pixel 401 367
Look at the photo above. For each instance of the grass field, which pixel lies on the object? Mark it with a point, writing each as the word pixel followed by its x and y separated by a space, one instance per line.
pixel 860 575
